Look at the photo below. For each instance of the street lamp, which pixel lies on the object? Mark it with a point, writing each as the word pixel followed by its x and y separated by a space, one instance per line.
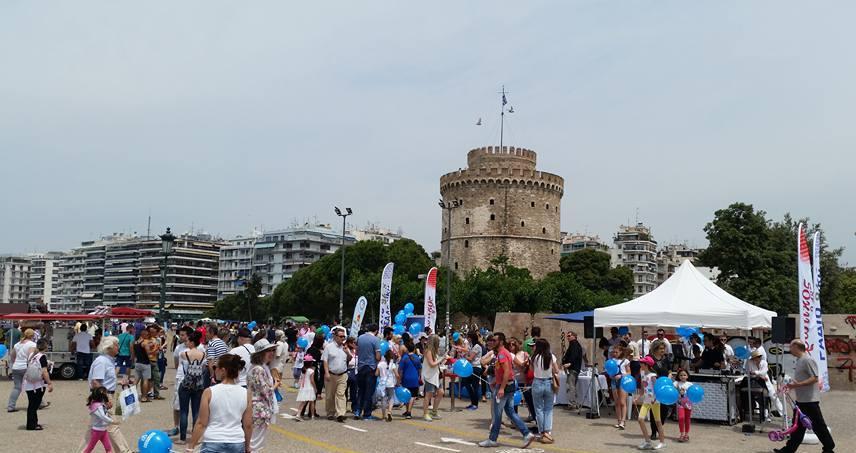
pixel 342 273
pixel 448 206
pixel 167 240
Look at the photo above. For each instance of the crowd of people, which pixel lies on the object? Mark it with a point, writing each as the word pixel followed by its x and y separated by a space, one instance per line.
pixel 230 378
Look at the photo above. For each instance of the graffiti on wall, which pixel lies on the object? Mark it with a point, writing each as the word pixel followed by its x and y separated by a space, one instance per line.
pixel 842 351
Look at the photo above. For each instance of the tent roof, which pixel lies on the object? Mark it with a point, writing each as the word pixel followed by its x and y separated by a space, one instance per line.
pixel 572 317
pixel 687 298
pixel 50 316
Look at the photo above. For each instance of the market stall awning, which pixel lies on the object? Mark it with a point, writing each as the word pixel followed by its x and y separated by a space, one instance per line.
pixel 572 317
pixel 50 317
pixel 687 298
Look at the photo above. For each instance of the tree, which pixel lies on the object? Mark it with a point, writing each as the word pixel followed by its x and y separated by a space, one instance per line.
pixel 243 306
pixel 757 258
pixel 592 270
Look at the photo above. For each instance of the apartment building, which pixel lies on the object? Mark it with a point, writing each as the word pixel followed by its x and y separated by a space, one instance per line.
pixel 575 242
pixel 14 279
pixel 635 248
pixel 236 265
pixel 44 283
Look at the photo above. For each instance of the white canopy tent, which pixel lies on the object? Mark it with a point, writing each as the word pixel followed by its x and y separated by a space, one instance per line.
pixel 687 298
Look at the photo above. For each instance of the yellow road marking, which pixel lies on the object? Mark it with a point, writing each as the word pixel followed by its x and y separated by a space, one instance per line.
pixel 474 435
pixel 311 441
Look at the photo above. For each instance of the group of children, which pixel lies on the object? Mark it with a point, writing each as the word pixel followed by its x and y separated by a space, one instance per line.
pixel 646 399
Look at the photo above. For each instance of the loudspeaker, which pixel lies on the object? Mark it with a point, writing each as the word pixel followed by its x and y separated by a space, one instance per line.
pixel 588 327
pixel 784 329
pixel 598 333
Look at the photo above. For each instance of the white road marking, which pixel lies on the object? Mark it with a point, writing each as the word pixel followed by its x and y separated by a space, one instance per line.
pixel 453 440
pixel 288 416
pixel 356 429
pixel 437 447
pixel 293 409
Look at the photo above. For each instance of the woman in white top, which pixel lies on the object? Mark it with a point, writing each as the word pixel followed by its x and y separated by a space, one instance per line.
pixel 545 367
pixel 35 388
pixel 431 362
pixel 19 355
pixel 225 413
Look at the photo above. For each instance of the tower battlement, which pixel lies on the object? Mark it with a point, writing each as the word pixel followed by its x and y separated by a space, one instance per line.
pixel 491 156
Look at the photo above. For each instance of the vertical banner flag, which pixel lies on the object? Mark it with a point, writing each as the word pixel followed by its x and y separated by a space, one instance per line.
pixel 359 312
pixel 385 291
pixel 808 327
pixel 431 299
pixel 819 354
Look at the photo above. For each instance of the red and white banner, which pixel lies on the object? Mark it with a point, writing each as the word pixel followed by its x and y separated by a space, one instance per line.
pixel 385 291
pixel 819 353
pixel 808 314
pixel 431 299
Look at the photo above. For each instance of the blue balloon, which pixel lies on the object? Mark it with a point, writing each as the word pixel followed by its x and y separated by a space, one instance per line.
pixel 415 329
pixel 400 318
pixel 302 342
pixel 741 352
pixel 623 330
pixel 3 351
pixel 695 393
pixel 463 368
pixel 398 329
pixel 329 336
pixel 666 394
pixel 628 384
pixel 326 329
pixel 663 381
pixel 686 331
pixel 402 394
pixel 518 397
pixel 456 336
pixel 408 308
pixel 611 367
pixel 251 325
pixel 154 441
pixel 384 346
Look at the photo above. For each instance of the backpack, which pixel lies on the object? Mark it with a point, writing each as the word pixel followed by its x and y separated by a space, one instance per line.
pixel 34 369
pixel 193 375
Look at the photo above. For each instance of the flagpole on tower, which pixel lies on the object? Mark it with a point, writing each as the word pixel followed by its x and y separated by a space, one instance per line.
pixel 502 118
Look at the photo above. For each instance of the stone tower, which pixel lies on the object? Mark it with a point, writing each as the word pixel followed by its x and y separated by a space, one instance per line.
pixel 506 207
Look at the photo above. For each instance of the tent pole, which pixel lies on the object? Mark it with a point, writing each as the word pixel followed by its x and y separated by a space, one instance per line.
pixel 748 383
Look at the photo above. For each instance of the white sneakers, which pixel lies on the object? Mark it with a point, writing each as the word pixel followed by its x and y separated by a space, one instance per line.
pixel 647 445
pixel 488 443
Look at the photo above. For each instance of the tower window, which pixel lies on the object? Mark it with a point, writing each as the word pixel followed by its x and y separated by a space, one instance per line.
pixel 544 230
pixel 491 201
pixel 557 209
pixel 532 204
pixel 467 220
pixel 466 244
pixel 547 206
pixel 551 251
pixel 460 201
pixel 492 217
pixel 522 223
pixel 456 265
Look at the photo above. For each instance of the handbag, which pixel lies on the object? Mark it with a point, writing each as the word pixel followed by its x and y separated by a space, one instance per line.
pixel 129 400
pixel 554 382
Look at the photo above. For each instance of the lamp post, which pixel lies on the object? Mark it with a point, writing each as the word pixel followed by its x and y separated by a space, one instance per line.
pixel 167 240
pixel 344 216
pixel 448 206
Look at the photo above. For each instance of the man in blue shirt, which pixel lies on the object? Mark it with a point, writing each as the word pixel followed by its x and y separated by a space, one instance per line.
pixel 368 356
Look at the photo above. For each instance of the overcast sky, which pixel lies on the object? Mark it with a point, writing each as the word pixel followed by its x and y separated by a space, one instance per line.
pixel 223 116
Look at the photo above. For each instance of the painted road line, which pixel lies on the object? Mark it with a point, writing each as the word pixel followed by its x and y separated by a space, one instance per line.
pixel 355 428
pixel 310 441
pixel 453 440
pixel 477 435
pixel 288 416
pixel 437 447
pixel 292 409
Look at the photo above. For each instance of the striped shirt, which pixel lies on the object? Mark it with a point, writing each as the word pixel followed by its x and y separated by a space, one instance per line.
pixel 216 348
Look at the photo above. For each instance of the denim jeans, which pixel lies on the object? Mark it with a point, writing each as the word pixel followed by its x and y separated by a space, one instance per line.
pixel 366 383
pixel 17 380
pixel 187 402
pixel 83 361
pixel 506 403
pixel 221 447
pixel 352 390
pixel 473 386
pixel 542 397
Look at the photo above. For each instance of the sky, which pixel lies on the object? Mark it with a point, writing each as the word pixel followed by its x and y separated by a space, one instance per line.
pixel 221 116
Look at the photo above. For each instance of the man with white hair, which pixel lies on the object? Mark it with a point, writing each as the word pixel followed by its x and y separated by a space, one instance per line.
pixel 102 373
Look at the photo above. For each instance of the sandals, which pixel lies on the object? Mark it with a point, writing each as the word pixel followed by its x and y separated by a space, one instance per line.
pixel 546 438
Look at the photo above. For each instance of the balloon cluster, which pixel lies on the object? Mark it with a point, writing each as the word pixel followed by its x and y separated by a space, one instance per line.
pixel 401 318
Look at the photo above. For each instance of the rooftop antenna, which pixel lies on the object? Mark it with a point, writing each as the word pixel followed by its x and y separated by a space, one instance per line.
pixel 637 216
pixel 149 225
